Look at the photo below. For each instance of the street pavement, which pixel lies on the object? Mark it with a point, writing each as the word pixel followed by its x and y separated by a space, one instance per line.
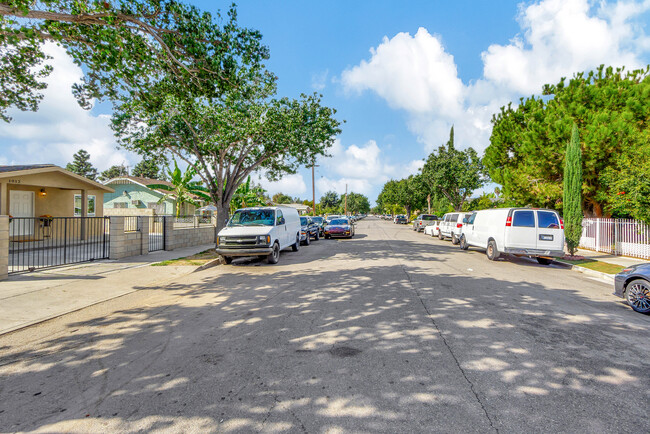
pixel 392 331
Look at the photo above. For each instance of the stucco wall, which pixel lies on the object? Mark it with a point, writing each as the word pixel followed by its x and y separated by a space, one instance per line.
pixel 56 202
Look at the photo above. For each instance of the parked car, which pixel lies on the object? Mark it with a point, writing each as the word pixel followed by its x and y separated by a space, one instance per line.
pixel 329 218
pixel 422 221
pixel 537 233
pixel 451 226
pixel 400 220
pixel 633 284
pixel 432 229
pixel 260 231
pixel 320 222
pixel 308 230
pixel 341 227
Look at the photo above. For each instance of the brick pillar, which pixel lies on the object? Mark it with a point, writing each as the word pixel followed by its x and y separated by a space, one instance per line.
pixel 144 234
pixel 118 238
pixel 169 232
pixel 4 246
pixel 195 220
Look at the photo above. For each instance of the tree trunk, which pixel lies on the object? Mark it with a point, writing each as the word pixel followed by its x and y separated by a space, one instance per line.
pixel 408 212
pixel 223 213
pixel 428 204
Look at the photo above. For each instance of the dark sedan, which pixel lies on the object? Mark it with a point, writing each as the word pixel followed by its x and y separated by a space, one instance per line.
pixel 308 230
pixel 633 284
pixel 341 227
pixel 320 221
pixel 401 220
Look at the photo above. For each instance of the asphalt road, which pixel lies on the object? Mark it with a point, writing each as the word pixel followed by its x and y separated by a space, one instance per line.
pixel 391 331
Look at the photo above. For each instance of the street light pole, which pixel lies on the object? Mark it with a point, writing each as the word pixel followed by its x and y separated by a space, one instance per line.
pixel 346 199
pixel 313 188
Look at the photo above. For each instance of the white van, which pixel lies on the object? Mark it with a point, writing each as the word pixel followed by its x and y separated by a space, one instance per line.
pixel 529 232
pixel 260 231
pixel 451 226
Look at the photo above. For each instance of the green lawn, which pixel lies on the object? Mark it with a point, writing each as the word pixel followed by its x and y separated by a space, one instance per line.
pixel 592 264
pixel 197 259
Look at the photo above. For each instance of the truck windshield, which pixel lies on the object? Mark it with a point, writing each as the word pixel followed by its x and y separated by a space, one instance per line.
pixel 252 217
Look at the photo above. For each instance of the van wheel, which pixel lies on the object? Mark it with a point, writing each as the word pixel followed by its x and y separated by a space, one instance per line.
pixel 454 239
pixel 440 235
pixel 544 261
pixel 463 243
pixel 492 251
pixel 296 246
pixel 274 257
pixel 227 259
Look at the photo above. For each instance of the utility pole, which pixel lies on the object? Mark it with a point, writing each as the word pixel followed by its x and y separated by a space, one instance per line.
pixel 346 199
pixel 313 187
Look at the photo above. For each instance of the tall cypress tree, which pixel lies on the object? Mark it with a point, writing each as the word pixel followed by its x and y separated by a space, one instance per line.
pixel 81 165
pixel 572 199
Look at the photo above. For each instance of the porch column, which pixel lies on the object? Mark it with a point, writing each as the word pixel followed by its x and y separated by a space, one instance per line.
pixel 84 213
pixel 3 198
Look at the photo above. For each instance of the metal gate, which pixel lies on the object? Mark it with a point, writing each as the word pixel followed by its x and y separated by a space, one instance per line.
pixel 43 242
pixel 156 233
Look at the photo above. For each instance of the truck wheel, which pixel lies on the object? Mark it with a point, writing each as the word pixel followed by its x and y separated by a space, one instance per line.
pixel 544 261
pixel 307 239
pixel 317 236
pixel 296 246
pixel 492 251
pixel 637 294
pixel 463 243
pixel 440 235
pixel 227 259
pixel 274 257
pixel 454 239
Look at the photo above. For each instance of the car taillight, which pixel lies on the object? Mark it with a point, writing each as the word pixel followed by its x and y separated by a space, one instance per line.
pixel 561 224
pixel 459 225
pixel 509 221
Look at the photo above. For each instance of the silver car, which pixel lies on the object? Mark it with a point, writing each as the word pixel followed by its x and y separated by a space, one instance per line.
pixel 423 220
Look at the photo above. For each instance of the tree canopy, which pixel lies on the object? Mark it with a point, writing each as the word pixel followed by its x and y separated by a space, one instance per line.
pixel 149 168
pixel 81 165
pixel 528 144
pixel 358 203
pixel 281 198
pixel 114 172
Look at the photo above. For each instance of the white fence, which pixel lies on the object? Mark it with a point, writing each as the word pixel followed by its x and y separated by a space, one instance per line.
pixel 616 236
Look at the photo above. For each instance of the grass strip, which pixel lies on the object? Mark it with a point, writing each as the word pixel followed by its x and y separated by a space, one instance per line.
pixel 197 259
pixel 592 264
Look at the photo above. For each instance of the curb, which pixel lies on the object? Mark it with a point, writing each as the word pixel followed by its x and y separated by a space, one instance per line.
pixel 604 276
pixel 212 263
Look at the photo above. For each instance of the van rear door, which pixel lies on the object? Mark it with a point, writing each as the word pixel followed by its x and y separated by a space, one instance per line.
pixel 550 236
pixel 522 232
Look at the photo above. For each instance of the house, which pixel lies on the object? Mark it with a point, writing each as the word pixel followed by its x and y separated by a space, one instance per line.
pixel 302 209
pixel 132 196
pixel 45 189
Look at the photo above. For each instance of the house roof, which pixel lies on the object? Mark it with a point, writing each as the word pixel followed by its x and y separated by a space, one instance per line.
pixel 145 182
pixel 35 169
pixel 295 205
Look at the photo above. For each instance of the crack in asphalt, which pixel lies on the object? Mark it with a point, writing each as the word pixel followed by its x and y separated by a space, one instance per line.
pixel 442 336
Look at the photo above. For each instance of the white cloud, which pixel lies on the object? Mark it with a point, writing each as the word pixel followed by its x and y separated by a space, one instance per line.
pixel 558 38
pixel 293 185
pixel 319 80
pixel 60 127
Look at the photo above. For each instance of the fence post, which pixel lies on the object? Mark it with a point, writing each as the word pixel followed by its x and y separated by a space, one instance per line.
pixel 615 236
pixel 116 245
pixel 597 235
pixel 144 235
pixel 196 221
pixel 168 221
pixel 4 246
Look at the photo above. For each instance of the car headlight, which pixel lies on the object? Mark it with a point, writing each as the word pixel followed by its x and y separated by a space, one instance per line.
pixel 263 239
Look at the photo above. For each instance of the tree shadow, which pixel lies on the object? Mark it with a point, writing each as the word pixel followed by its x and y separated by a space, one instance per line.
pixel 361 348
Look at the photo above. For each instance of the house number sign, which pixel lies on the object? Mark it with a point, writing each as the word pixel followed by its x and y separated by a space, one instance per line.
pixel 14 181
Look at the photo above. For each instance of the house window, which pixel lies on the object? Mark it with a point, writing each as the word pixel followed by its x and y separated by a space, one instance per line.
pixel 120 205
pixel 77 206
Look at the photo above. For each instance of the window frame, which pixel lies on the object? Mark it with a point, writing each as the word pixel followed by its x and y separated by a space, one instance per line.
pixel 91 198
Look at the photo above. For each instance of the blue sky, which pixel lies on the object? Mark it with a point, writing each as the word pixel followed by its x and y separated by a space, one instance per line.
pixel 399 73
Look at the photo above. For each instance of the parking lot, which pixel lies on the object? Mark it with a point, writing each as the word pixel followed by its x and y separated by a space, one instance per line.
pixel 389 331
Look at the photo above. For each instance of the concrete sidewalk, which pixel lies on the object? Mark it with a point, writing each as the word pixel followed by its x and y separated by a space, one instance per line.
pixel 624 261
pixel 30 298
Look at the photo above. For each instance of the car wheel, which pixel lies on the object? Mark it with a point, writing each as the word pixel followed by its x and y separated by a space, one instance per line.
pixel 463 243
pixel 274 257
pixel 308 239
pixel 637 294
pixel 492 252
pixel 317 236
pixel 454 239
pixel 544 261
pixel 227 259
pixel 414 228
pixel 440 236
pixel 296 246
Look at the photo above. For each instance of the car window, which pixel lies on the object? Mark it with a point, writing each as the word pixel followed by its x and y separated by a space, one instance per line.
pixel 454 218
pixel 547 220
pixel 279 217
pixel 339 222
pixel 471 219
pixel 429 217
pixel 524 219
pixel 303 221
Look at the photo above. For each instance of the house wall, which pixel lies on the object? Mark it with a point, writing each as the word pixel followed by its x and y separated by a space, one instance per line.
pixel 56 202
pixel 126 193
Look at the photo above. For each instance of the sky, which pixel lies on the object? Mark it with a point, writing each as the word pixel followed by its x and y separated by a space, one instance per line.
pixel 399 73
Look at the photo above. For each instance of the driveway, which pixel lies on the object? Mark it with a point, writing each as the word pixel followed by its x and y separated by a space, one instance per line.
pixel 392 331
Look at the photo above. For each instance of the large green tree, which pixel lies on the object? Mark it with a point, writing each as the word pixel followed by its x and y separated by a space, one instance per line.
pixel 281 198
pixel 572 196
pixel 527 148
pixel 248 194
pixel 126 47
pixel 453 173
pixel 358 203
pixel 114 172
pixel 81 165
pixel 330 200
pixel 149 168
pixel 183 188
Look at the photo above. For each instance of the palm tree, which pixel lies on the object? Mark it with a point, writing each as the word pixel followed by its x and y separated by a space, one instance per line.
pixel 246 196
pixel 183 188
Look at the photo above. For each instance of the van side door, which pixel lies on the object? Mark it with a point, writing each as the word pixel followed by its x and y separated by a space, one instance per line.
pixel 523 232
pixel 550 236
pixel 281 228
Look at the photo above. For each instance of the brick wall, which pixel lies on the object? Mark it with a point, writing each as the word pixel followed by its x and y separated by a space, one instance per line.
pixel 186 237
pixel 124 244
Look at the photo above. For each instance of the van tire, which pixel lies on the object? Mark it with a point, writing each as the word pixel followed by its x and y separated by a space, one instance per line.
pixel 544 261
pixel 463 243
pixel 441 236
pixel 492 252
pixel 454 239
pixel 274 256
pixel 296 246
pixel 227 259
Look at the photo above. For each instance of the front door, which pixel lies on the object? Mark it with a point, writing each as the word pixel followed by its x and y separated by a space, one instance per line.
pixel 21 204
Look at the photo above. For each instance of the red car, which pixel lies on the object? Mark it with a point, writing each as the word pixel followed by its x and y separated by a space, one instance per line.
pixel 340 227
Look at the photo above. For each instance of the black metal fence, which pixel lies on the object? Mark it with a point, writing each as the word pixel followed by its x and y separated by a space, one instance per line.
pixel 42 242
pixel 157 233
